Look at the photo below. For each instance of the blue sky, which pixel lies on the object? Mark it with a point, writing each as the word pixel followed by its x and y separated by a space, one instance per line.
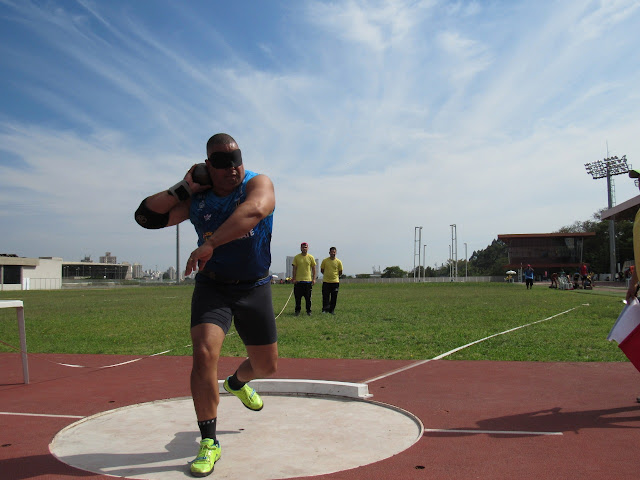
pixel 370 117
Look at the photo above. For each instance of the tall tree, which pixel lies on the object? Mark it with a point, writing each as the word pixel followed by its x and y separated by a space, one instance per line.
pixel 393 272
pixel 596 249
pixel 491 260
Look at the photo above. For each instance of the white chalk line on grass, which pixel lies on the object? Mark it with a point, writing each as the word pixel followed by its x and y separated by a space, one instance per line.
pixel 40 357
pixel 450 352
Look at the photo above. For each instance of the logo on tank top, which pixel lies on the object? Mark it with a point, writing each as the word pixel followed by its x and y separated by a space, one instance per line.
pixel 249 234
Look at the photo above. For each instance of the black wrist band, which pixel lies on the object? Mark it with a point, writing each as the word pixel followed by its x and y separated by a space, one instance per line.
pixel 180 190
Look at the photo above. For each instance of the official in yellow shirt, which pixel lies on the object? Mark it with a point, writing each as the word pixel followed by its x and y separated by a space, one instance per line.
pixel 304 277
pixel 331 269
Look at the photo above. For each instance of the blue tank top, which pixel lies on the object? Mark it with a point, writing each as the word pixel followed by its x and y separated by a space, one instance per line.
pixel 245 258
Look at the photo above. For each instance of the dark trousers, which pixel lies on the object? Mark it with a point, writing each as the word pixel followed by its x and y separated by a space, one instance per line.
pixel 329 296
pixel 303 290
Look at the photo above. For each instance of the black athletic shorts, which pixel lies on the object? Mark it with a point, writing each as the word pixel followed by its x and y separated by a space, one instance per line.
pixel 251 310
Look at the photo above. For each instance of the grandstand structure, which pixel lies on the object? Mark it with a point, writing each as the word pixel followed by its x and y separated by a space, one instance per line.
pixel 551 252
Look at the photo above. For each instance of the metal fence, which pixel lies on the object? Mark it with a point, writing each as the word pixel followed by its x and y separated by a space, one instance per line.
pixel 35 284
pixel 423 280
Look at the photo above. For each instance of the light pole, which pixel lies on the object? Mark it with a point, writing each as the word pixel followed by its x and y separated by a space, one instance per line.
pixel 466 262
pixel 178 254
pixel 424 261
pixel 417 242
pixel 454 251
pixel 606 169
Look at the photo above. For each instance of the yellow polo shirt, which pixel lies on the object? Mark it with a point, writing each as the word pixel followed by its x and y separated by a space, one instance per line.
pixel 303 264
pixel 331 270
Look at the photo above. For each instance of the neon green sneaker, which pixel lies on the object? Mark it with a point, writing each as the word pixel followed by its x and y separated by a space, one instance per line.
pixel 208 455
pixel 248 395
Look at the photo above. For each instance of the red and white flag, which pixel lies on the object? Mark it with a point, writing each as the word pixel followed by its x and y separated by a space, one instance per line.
pixel 626 331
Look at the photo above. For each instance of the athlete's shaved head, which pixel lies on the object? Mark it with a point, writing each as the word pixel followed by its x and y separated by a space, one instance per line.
pixel 220 139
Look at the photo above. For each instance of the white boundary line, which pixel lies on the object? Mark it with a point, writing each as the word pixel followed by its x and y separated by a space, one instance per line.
pixel 489 432
pixel 40 415
pixel 422 362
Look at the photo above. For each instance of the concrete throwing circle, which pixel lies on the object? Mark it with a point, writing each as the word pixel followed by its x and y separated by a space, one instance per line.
pixel 292 436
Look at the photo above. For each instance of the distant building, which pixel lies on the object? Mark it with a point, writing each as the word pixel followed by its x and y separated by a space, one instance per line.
pixel 171 273
pixel 19 273
pixel 137 271
pixel 129 274
pixel 289 267
pixel 551 252
pixel 102 270
pixel 47 273
pixel 108 258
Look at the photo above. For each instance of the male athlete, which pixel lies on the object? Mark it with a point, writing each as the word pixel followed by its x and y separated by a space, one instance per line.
pixel 233 219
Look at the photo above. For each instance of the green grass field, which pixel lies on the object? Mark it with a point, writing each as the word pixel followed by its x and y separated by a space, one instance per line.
pixel 386 321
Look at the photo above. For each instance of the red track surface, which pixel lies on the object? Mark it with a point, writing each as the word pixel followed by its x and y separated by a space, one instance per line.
pixel 592 404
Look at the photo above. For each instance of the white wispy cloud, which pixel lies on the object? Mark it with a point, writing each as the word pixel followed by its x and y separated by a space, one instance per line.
pixel 371 117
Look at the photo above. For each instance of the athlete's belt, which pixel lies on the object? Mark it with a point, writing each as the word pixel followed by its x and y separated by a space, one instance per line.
pixel 230 281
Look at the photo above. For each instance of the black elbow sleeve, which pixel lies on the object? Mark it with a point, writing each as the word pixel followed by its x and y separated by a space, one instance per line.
pixel 149 219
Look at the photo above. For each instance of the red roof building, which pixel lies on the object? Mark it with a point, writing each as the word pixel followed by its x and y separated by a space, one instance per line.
pixel 545 251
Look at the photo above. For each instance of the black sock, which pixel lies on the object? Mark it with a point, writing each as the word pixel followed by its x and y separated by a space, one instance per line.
pixel 208 428
pixel 234 383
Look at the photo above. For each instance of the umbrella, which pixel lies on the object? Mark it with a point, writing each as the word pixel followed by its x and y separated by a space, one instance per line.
pixel 511 272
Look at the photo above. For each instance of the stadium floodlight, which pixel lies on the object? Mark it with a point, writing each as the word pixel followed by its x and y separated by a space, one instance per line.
pixel 608 168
